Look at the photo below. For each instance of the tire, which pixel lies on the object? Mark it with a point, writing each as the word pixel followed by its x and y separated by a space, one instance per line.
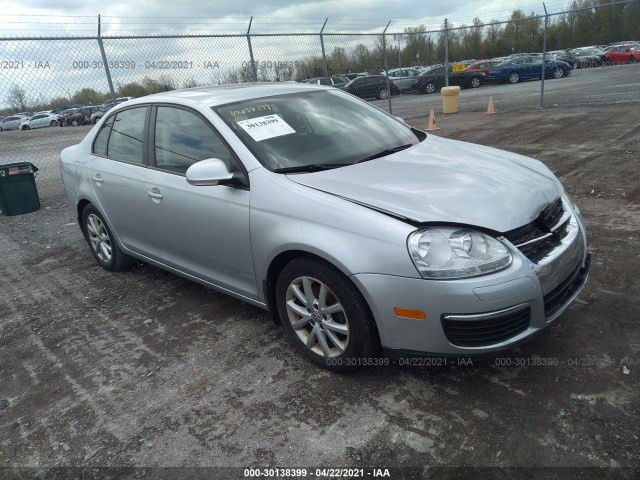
pixel 514 77
pixel 475 82
pixel 383 94
pixel 430 87
pixel 558 73
pixel 102 244
pixel 74 123
pixel 26 127
pixel 632 59
pixel 324 315
pixel 53 123
pixel 575 65
pixel 1 129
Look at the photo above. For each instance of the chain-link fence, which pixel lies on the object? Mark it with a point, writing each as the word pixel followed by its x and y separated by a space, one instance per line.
pixel 589 55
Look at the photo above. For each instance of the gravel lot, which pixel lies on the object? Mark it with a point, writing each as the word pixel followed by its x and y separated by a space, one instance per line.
pixel 145 369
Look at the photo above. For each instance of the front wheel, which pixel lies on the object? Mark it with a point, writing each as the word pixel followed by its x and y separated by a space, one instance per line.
pixel 430 87
pixel 74 123
pixel 383 94
pixel 558 73
pixel 514 77
pixel 101 241
pixel 53 123
pixel 324 315
pixel 475 82
pixel 632 59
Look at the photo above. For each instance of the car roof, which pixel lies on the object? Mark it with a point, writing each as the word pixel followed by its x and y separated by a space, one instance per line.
pixel 222 94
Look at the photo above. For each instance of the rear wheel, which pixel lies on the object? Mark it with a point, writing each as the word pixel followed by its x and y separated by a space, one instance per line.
pixel 558 73
pixel 74 123
pixel 324 315
pixel 632 59
pixel 383 94
pixel 53 123
pixel 26 127
pixel 514 77
pixel 475 82
pixel 101 242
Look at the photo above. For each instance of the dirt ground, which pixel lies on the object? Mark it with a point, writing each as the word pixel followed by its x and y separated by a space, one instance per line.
pixel 143 369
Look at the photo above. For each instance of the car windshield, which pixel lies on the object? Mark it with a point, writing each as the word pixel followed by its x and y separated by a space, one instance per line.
pixel 323 129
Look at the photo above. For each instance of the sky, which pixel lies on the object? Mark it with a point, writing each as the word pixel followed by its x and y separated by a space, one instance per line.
pixel 39 57
pixel 119 17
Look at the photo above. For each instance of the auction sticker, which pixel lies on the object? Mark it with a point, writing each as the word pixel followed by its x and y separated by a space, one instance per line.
pixel 263 128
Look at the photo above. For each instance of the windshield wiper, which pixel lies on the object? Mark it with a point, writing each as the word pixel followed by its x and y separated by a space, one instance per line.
pixel 314 167
pixel 385 152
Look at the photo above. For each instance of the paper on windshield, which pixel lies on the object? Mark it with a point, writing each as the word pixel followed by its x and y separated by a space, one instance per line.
pixel 263 128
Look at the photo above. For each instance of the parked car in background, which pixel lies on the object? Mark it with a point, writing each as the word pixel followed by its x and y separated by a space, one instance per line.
pixel 588 57
pixel 72 117
pixel 334 81
pixel 564 56
pixel 403 78
pixel 40 120
pixel 433 79
pixel 105 107
pixel 622 54
pixel 371 86
pixel 87 112
pixel 526 67
pixel 59 110
pixel 11 122
pixel 482 66
pixel 353 229
pixel 111 102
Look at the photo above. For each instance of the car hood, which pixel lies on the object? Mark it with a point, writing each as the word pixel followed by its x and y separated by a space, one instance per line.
pixel 446 181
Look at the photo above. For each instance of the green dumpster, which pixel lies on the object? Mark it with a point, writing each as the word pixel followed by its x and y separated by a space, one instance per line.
pixel 18 192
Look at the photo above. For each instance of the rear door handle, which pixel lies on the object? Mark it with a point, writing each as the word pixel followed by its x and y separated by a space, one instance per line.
pixel 98 179
pixel 157 195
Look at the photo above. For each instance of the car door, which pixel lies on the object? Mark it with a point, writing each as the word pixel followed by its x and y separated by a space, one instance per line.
pixel 116 170
pixel 39 121
pixel 202 231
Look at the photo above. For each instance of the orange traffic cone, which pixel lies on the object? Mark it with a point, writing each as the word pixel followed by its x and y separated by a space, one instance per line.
pixel 432 122
pixel 490 108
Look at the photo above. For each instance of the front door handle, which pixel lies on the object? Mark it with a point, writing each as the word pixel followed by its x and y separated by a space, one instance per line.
pixel 98 179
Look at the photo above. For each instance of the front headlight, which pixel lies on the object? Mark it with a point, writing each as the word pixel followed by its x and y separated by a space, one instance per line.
pixel 446 252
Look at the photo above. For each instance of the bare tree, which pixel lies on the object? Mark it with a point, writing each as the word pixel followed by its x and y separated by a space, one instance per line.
pixel 18 98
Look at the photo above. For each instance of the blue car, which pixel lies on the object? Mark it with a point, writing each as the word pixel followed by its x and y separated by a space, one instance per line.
pixel 525 67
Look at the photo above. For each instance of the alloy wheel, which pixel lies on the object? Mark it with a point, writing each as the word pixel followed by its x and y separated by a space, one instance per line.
pixel 317 317
pixel 99 238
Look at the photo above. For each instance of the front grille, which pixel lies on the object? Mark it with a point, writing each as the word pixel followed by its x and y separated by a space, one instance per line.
pixel 559 296
pixel 538 238
pixel 465 331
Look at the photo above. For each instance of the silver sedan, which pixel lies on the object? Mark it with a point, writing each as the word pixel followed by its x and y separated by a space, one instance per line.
pixel 360 234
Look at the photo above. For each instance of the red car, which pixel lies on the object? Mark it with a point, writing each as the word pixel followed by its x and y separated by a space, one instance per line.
pixel 622 54
pixel 482 65
pixel 76 116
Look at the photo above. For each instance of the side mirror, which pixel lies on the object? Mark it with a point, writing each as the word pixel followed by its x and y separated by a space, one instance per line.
pixel 211 171
pixel 400 119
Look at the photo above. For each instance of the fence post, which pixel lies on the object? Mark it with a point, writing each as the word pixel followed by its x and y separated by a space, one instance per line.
pixel 324 55
pixel 544 53
pixel 386 64
pixel 446 53
pixel 105 63
pixel 254 71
